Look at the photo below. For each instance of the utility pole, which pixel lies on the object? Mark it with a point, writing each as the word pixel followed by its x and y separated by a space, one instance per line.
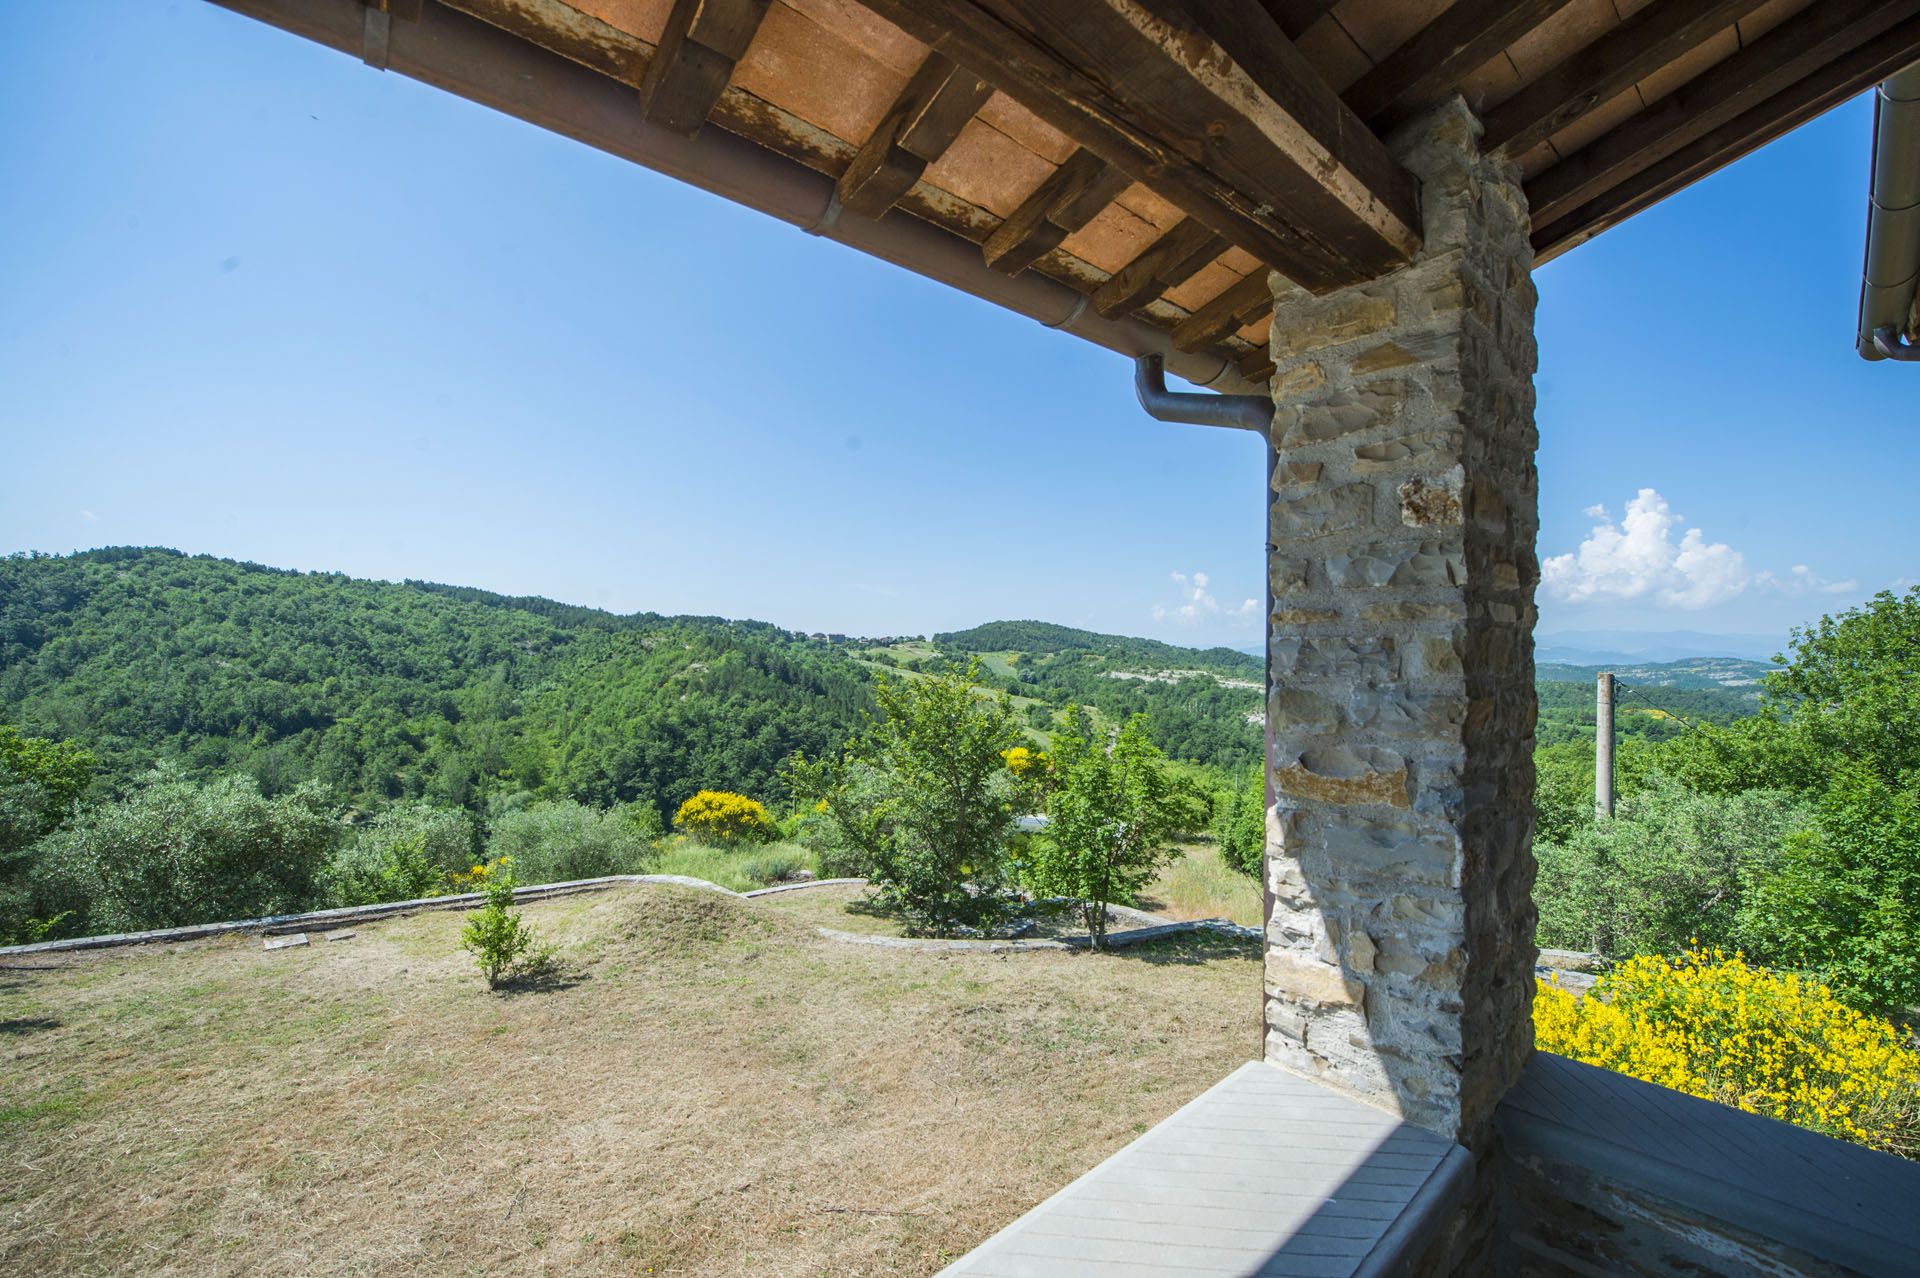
pixel 1603 747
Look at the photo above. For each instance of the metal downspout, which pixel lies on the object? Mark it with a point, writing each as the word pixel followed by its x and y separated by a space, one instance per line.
pixel 1240 412
pixel 1888 319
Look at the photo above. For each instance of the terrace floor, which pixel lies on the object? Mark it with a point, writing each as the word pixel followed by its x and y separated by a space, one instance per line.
pixel 1264 1174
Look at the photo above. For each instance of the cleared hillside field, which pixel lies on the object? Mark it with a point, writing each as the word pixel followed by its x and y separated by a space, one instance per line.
pixel 714 1089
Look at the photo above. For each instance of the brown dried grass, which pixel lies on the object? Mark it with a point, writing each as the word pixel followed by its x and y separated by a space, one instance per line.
pixel 715 1090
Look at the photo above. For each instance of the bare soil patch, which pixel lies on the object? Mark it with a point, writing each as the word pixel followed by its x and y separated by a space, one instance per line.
pixel 714 1089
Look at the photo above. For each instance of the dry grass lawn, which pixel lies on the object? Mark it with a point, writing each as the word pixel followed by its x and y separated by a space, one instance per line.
pixel 716 1090
pixel 1201 885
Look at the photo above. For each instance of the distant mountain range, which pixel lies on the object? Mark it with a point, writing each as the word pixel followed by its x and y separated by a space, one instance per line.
pixel 1611 648
pixel 1618 647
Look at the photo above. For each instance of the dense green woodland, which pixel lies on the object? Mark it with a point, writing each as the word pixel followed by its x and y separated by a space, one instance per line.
pixel 381 691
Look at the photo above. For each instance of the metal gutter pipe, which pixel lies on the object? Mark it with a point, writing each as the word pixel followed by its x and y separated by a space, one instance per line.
pixel 1240 412
pixel 466 56
pixel 1888 318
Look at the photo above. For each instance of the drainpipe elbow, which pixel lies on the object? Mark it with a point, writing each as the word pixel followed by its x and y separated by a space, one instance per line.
pixel 1239 412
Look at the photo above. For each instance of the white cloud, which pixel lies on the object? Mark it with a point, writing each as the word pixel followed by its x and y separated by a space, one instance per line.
pixel 89 516
pixel 1802 580
pixel 1639 558
pixel 1197 604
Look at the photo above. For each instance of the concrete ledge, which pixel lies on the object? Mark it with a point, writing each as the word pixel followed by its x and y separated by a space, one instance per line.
pixel 1265 1173
pixel 309 921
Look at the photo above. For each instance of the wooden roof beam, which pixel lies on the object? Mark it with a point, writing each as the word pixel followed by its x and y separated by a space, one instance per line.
pixel 695 59
pixel 1438 56
pixel 1172 259
pixel 1237 306
pixel 1295 16
pixel 1208 104
pixel 1070 198
pixel 919 127
pixel 1817 36
pixel 1652 38
pixel 1819 92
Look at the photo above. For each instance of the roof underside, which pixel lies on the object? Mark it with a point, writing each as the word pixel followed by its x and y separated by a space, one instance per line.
pixel 1155 155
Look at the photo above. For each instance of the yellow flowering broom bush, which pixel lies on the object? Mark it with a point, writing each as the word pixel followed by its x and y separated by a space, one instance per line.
pixel 720 816
pixel 1771 1043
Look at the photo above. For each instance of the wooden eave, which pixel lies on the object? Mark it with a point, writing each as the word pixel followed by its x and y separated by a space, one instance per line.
pixel 1159 156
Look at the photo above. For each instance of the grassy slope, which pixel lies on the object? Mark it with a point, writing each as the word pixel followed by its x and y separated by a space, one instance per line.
pixel 720 1092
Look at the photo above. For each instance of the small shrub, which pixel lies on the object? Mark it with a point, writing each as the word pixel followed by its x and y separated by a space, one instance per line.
pixel 725 818
pixel 501 942
pixel 1770 1043
pixel 405 853
pixel 560 842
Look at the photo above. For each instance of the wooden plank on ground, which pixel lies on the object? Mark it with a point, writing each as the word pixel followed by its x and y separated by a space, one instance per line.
pixel 1801 46
pixel 922 123
pixel 695 60
pixel 1209 105
pixel 1649 40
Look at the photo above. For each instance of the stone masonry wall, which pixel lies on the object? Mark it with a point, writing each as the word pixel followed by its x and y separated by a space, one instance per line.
pixel 1401 702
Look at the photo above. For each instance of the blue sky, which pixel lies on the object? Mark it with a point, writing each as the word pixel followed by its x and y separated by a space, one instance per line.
pixel 260 301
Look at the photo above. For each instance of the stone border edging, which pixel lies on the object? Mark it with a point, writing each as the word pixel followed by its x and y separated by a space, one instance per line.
pixel 1115 940
pixel 281 923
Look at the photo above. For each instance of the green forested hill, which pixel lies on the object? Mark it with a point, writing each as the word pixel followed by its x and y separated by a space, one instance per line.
pixel 1203 705
pixel 1043 637
pixel 451 694
pixel 383 691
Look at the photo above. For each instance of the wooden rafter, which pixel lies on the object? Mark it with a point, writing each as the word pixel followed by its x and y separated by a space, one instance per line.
pixel 1211 105
pixel 1061 205
pixel 1237 306
pixel 1653 38
pixel 695 59
pixel 1295 16
pixel 1819 35
pixel 919 127
pixel 1172 259
pixel 1437 57
pixel 1820 91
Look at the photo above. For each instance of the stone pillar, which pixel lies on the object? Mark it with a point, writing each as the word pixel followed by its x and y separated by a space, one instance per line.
pixel 1400 711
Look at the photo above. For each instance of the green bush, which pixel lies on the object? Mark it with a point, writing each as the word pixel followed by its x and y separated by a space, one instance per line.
pixel 406 852
pixel 1240 822
pixel 175 852
pixel 1112 812
pixel 559 842
pixel 1672 867
pixel 500 941
pixel 1845 904
pixel 922 803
